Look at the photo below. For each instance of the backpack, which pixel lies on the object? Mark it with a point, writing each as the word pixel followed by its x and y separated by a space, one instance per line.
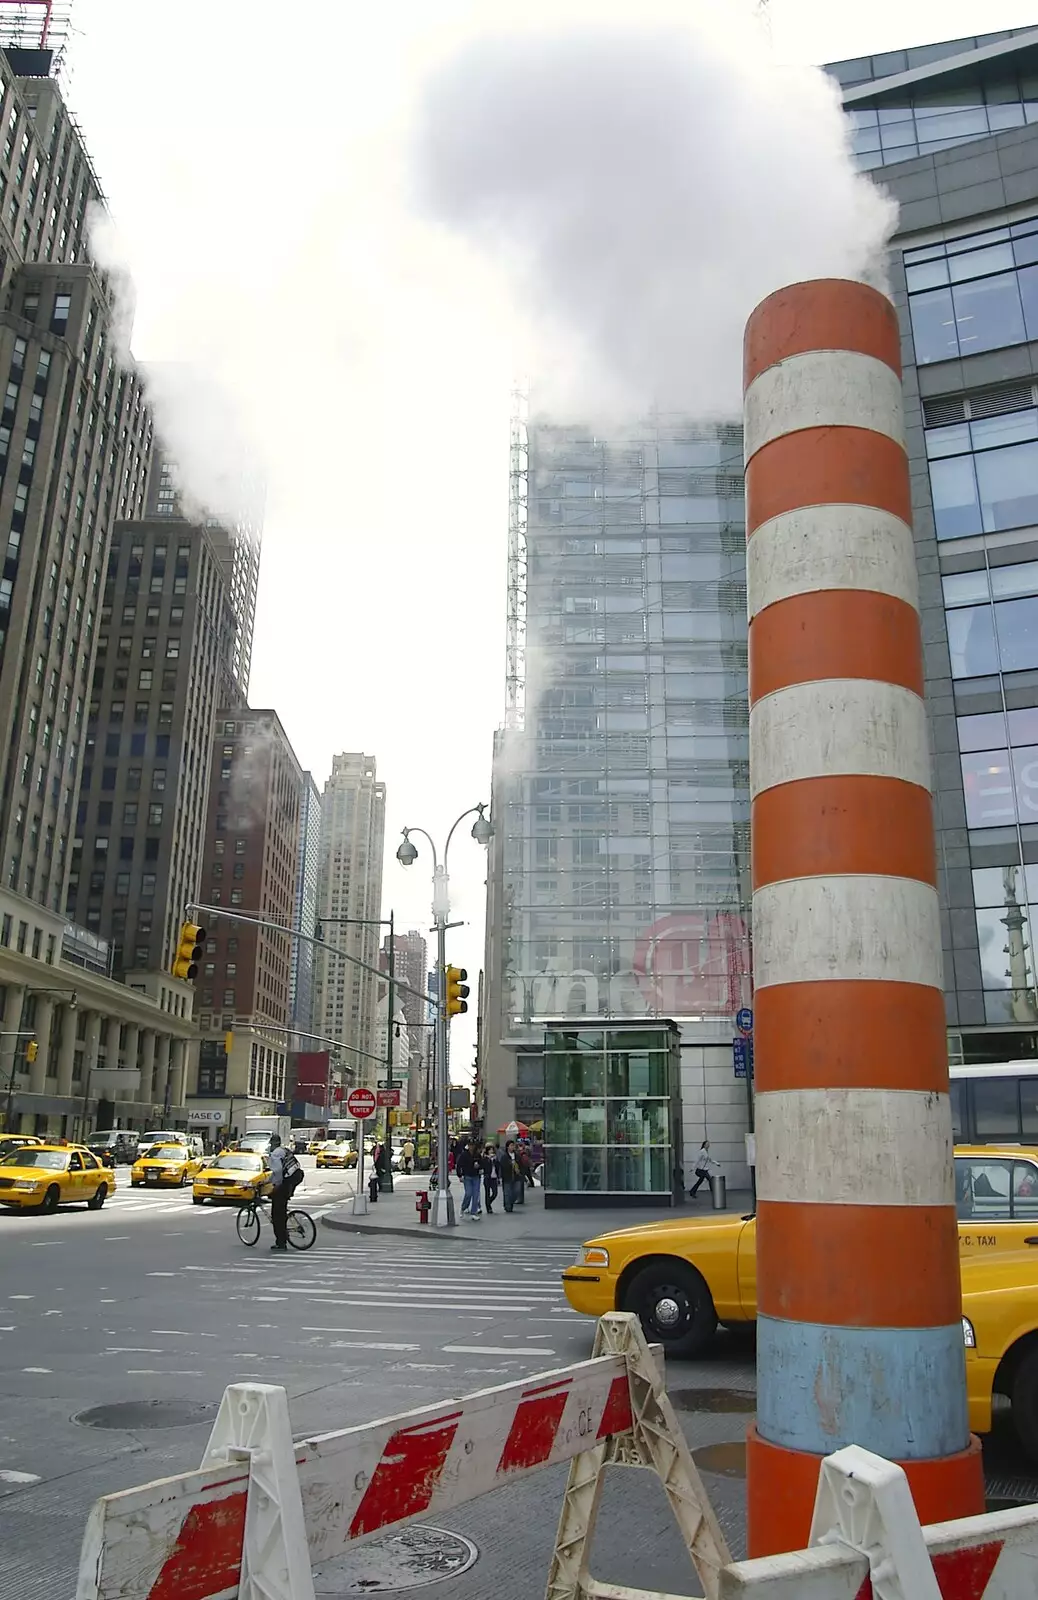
pixel 293 1171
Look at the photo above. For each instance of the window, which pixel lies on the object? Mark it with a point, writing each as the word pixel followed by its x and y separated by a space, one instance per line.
pixel 165 711
pixel 144 678
pixel 126 849
pixel 133 777
pixel 59 318
pixel 236 897
pixel 147 649
pixel 104 812
pixel 155 815
pixel 158 779
pixel 140 712
pixel 130 814
pixel 974 294
pixel 228 997
pixel 172 649
pixel 239 846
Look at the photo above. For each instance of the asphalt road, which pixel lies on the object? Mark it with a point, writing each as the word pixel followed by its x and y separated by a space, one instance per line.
pixel 155 1300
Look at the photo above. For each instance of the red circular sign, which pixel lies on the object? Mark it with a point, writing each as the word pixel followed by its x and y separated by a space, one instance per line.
pixel 360 1103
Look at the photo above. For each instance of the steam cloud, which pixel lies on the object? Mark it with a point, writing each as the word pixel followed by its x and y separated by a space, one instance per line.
pixel 643 186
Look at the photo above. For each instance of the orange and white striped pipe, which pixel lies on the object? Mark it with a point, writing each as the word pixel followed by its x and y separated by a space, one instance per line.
pixel 859 1333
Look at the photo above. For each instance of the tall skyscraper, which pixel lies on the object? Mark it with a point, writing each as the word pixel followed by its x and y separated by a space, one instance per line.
pixel 251 861
pixel 301 978
pixel 165 633
pixel 353 821
pixel 410 966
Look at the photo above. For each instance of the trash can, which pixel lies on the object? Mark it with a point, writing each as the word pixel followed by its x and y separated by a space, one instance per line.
pixel 719 1191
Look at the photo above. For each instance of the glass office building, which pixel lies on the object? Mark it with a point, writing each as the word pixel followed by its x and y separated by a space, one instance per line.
pixel 624 868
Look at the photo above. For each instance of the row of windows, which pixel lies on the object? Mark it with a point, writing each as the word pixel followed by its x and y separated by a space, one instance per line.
pixel 968 314
pixel 939 119
pixel 986 639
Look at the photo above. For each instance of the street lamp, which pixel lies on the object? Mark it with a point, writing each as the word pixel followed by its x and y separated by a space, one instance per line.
pixel 407 854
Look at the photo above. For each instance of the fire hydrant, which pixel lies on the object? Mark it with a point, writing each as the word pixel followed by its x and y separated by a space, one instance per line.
pixel 373 1188
pixel 422 1206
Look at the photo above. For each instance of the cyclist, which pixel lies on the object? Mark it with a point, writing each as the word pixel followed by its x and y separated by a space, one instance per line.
pixel 287 1173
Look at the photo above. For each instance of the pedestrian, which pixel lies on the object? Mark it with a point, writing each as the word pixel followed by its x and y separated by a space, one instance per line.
pixel 704 1163
pixel 526 1162
pixel 287 1175
pixel 408 1154
pixel 512 1182
pixel 524 1173
pixel 491 1181
pixel 470 1171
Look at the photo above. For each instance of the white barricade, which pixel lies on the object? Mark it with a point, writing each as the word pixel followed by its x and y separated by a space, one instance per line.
pixel 260 1512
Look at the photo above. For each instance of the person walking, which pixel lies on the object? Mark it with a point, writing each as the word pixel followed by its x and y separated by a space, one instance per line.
pixel 408 1154
pixel 287 1174
pixel 512 1182
pixel 470 1171
pixel 490 1178
pixel 704 1163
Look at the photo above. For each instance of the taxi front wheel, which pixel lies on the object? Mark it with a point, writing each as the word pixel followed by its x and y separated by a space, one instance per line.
pixel 51 1198
pixel 674 1306
pixel 198 1199
pixel 1025 1403
pixel 97 1200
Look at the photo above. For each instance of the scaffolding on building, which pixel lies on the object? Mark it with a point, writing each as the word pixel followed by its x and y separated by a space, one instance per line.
pixel 518 506
pixel 38 25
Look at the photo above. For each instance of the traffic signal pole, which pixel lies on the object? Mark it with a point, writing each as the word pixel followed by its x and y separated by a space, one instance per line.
pixel 859 1333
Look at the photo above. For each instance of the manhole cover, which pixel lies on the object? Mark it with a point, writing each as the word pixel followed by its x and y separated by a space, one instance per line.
pixel 147 1414
pixel 410 1559
pixel 736 1400
pixel 726 1460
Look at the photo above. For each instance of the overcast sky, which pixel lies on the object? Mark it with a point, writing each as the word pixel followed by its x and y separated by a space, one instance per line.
pixel 250 154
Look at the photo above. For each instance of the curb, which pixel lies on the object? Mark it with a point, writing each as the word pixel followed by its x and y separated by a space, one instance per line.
pixel 350 1226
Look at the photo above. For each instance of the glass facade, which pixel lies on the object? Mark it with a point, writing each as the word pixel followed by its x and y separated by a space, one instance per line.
pixel 611 1111
pixel 626 861
pixel 937 118
pixel 975 293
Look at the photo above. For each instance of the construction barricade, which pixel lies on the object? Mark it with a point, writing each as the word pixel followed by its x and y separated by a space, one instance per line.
pixel 262 1510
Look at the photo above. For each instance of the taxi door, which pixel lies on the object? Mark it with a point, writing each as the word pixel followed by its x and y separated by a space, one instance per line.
pixel 73 1182
pixel 996 1199
pixel 748 1269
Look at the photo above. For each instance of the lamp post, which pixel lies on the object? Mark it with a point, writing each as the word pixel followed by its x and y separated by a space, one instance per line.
pixel 407 854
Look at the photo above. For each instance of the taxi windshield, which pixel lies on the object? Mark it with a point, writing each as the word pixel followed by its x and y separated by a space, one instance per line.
pixel 32 1157
pixel 238 1163
pixel 167 1152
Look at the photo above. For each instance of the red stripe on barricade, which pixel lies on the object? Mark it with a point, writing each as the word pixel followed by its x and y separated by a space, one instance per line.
pixel 960 1574
pixel 406 1477
pixel 533 1430
pixel 206 1558
pixel 617 1418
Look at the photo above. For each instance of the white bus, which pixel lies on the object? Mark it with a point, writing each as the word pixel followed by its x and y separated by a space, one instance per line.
pixel 995 1102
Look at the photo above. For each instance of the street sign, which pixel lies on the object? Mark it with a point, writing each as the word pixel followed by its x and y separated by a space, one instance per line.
pixel 389 1097
pixel 742 1057
pixel 744 1019
pixel 360 1103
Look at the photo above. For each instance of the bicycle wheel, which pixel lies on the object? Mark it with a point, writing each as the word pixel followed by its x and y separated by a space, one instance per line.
pixel 302 1230
pixel 247 1223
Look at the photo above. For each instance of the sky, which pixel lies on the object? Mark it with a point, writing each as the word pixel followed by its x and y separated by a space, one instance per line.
pixel 256 162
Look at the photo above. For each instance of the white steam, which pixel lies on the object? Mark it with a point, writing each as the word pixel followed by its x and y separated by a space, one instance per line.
pixel 644 186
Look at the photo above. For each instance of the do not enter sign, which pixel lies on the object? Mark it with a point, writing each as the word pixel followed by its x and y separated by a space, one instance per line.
pixel 360 1103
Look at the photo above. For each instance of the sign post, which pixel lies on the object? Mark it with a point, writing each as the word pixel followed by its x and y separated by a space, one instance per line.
pixel 742 1051
pixel 360 1104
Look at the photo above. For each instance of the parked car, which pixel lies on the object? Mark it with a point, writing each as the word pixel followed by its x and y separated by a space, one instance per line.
pixel 685 1275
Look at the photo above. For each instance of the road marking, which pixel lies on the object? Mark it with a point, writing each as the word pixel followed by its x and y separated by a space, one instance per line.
pixel 159 1372
pixel 164 1274
pixel 21 1297
pixel 115 1238
pixel 490 1350
pixel 131 1350
pixel 305 1329
pixel 36 1369
pixel 362 1344
pixel 41 1244
pixel 11 1475
pixel 185 1333
pixel 53 1313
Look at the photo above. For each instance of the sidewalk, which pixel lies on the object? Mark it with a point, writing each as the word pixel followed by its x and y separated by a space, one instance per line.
pixel 394 1215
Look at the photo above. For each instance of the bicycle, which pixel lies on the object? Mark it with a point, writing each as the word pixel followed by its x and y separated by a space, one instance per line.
pixel 302 1229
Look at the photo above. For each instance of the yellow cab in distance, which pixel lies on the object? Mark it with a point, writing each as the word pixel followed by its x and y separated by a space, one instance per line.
pixel 235 1175
pixel 17 1141
pixel 164 1164
pixel 43 1176
pixel 314 1147
pixel 1000 1331
pixel 686 1274
pixel 334 1153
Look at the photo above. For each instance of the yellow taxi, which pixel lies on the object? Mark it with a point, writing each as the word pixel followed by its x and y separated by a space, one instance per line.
pixel 335 1153
pixel 1000 1330
pixel 164 1164
pixel 685 1275
pixel 235 1175
pixel 43 1176
pixel 17 1141
pixel 314 1147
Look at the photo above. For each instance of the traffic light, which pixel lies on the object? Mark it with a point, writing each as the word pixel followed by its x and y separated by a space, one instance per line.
pixel 457 991
pixel 189 952
pixel 32 1050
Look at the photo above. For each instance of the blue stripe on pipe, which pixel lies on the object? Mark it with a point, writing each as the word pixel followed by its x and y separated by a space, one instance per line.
pixel 900 1392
